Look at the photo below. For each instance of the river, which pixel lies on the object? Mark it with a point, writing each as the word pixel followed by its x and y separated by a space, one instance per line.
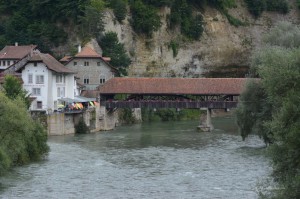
pixel 154 160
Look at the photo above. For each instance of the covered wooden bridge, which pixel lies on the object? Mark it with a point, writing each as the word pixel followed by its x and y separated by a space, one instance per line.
pixel 181 93
pixel 212 93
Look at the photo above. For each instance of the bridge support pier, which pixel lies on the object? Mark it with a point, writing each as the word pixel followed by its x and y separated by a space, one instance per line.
pixel 205 123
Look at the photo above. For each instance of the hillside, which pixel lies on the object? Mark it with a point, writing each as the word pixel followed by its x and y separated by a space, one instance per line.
pixel 183 38
pixel 223 50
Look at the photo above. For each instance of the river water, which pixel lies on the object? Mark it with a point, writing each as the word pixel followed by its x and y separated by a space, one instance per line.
pixel 153 160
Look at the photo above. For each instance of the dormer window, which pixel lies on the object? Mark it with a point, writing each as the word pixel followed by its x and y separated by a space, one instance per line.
pixel 35 63
pixel 75 63
pixel 98 63
pixel 86 63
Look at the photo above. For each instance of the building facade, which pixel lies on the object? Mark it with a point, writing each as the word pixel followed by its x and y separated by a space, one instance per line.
pixel 47 81
pixel 92 69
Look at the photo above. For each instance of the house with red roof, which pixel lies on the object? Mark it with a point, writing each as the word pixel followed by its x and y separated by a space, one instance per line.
pixel 15 56
pixel 92 69
pixel 47 80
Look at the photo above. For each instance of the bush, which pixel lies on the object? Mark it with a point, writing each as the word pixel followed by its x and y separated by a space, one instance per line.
pixel 119 9
pixel 174 46
pixel 21 139
pixel 145 19
pixel 126 116
pixel 81 127
pixel 281 6
pixel 256 7
pixel 181 14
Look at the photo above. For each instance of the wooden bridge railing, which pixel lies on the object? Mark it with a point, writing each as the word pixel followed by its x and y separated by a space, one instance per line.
pixel 170 104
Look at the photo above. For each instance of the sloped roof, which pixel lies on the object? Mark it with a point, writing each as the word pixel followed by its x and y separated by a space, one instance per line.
pixel 90 93
pixel 16 52
pixel 193 86
pixel 50 62
pixel 87 52
pixel 65 59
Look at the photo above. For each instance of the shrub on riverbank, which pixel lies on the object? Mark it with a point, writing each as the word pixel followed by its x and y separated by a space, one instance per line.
pixel 81 127
pixel 22 140
pixel 149 115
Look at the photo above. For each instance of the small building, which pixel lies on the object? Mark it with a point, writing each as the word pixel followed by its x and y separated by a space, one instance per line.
pixel 47 80
pixel 14 56
pixel 92 69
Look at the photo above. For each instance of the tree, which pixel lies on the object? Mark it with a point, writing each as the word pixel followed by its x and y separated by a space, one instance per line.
pixel 116 51
pixel 278 68
pixel 21 139
pixel 81 127
pixel 13 89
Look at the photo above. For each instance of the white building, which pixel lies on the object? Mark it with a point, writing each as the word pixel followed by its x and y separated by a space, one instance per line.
pixel 48 81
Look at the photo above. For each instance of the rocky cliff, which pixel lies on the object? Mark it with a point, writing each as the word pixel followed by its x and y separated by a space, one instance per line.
pixel 223 50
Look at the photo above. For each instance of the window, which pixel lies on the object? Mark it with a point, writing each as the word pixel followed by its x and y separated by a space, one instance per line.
pixel 60 79
pixel 39 104
pixel 61 92
pixel 39 79
pixel 4 63
pixel 35 63
pixel 36 91
pixel 30 79
pixel 58 92
pixel 75 63
pixel 8 63
pixel 102 79
pixel 98 63
pixel 86 80
pixel 86 63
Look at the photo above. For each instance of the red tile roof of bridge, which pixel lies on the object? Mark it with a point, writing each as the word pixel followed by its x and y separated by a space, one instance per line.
pixel 193 86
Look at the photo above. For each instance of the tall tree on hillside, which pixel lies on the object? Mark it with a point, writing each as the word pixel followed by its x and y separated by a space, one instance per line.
pixel 116 51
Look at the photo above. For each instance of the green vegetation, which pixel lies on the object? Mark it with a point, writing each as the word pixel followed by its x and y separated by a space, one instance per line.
pixel 298 3
pixel 174 46
pixel 150 115
pixel 126 116
pixel 81 127
pixel 119 8
pixel 44 22
pixel 114 49
pixel 21 139
pixel 256 7
pixel 270 108
pixel 145 19
pixel 181 14
pixel 13 89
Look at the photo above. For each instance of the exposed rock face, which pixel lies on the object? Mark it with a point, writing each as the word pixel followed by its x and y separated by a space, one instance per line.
pixel 221 45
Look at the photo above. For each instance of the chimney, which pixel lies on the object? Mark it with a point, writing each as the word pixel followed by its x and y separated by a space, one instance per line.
pixel 16 44
pixel 79 48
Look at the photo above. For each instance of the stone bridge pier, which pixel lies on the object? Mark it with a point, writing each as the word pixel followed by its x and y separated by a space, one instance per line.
pixel 205 121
